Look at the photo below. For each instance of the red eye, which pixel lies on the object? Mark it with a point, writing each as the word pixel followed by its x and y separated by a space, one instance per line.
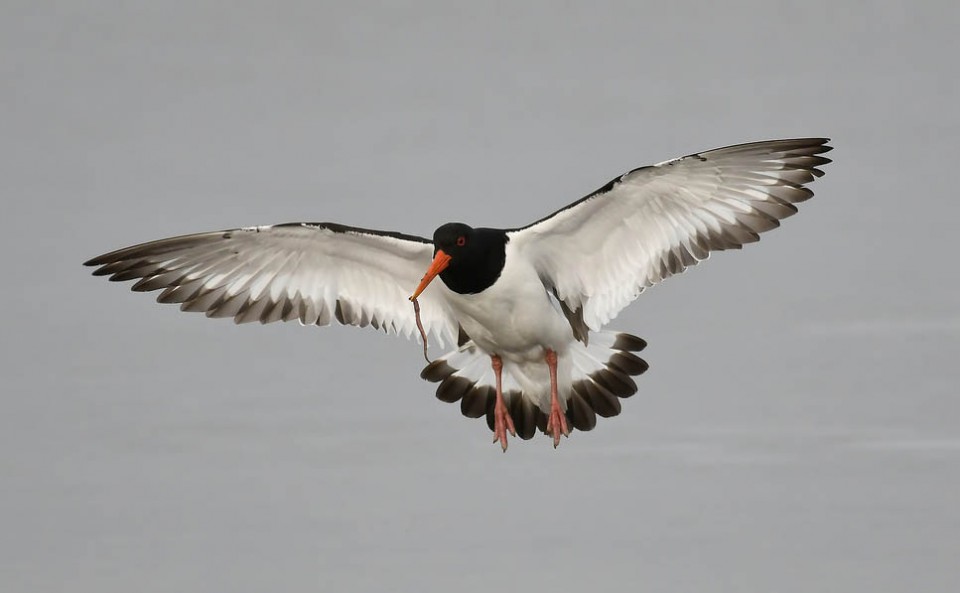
pixel 461 241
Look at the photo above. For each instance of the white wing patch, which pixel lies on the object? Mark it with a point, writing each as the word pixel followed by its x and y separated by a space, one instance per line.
pixel 310 272
pixel 600 253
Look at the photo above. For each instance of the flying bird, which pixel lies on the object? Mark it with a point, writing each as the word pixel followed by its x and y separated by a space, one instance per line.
pixel 523 309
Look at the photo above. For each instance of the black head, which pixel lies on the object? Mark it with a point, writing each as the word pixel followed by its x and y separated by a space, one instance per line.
pixel 454 238
pixel 476 256
pixel 468 260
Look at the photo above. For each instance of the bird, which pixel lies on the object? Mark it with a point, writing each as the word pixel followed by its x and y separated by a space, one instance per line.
pixel 523 310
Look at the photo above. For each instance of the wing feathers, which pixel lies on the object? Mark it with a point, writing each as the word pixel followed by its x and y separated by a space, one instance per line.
pixel 312 272
pixel 602 251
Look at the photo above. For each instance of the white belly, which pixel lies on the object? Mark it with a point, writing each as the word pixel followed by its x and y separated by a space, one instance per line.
pixel 515 318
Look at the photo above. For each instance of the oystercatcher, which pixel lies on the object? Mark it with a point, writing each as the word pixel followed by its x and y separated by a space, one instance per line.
pixel 524 307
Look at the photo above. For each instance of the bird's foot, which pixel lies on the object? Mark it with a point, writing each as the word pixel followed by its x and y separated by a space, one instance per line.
pixel 502 422
pixel 557 423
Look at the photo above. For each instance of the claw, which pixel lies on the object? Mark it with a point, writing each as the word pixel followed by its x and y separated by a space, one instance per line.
pixel 503 423
pixel 557 425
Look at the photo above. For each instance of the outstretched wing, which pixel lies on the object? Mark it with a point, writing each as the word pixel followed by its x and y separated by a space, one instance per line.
pixel 602 251
pixel 312 272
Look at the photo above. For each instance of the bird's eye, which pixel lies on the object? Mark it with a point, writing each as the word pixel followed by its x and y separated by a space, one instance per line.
pixel 461 241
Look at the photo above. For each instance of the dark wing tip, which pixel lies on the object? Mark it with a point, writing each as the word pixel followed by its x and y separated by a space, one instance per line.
pixel 158 247
pixel 628 363
pixel 810 148
pixel 437 371
pixel 106 258
pixel 629 343
pixel 580 413
pixel 453 388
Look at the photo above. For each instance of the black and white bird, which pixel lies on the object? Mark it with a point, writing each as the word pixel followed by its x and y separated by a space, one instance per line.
pixel 523 308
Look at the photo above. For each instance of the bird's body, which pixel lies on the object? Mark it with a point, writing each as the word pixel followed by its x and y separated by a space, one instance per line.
pixel 516 320
pixel 524 306
pixel 515 316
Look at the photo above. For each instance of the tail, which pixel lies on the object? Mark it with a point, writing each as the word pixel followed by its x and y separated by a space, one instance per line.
pixel 593 379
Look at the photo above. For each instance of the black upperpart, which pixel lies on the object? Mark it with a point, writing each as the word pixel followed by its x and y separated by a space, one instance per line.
pixel 476 256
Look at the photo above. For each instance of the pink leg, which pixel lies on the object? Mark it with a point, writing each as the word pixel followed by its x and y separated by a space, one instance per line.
pixel 557 423
pixel 501 416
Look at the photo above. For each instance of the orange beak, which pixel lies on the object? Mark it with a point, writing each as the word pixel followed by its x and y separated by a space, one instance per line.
pixel 440 262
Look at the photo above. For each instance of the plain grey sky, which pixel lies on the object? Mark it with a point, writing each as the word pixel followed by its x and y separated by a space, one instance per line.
pixel 799 429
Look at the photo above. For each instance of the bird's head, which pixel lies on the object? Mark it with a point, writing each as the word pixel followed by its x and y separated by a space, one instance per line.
pixel 455 239
pixel 468 260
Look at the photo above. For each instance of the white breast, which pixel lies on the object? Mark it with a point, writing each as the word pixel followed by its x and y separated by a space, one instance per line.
pixel 515 318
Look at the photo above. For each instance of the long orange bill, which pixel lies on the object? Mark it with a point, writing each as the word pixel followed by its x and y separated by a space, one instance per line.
pixel 440 262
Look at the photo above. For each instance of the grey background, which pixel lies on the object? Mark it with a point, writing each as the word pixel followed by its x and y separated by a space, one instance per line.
pixel 799 429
